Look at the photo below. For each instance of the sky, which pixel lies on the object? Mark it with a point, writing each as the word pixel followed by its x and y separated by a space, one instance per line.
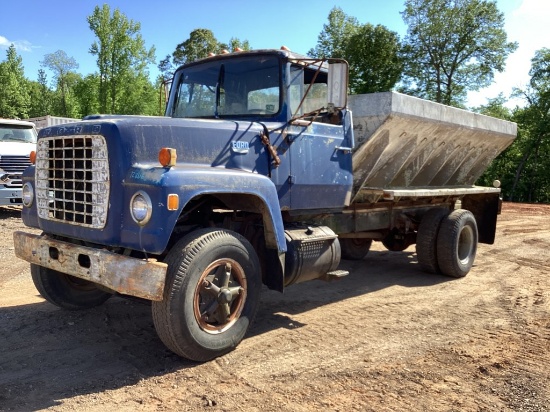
pixel 39 27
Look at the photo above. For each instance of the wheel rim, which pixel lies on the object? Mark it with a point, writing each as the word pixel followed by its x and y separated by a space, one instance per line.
pixel 220 296
pixel 465 245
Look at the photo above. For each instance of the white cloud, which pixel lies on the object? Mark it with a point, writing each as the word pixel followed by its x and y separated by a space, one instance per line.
pixel 20 45
pixel 528 26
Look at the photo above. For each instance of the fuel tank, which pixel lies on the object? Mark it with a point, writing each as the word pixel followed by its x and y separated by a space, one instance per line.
pixel 312 252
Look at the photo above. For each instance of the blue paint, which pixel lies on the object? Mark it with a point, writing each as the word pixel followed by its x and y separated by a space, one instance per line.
pixel 219 150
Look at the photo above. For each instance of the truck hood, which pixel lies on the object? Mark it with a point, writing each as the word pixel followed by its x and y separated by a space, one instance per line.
pixel 136 140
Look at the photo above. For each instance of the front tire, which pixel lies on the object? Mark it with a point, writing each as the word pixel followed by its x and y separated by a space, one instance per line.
pixel 211 295
pixel 457 243
pixel 65 291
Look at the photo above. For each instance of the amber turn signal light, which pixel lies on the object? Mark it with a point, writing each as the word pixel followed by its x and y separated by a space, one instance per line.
pixel 173 202
pixel 32 157
pixel 167 157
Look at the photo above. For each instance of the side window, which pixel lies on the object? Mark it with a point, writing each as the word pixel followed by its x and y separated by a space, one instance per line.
pixel 263 101
pixel 296 89
pixel 317 96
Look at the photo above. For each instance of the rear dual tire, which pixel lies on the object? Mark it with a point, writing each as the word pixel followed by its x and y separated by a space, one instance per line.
pixel 447 242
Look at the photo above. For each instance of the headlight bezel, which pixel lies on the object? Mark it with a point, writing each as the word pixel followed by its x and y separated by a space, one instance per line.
pixel 141 212
pixel 27 192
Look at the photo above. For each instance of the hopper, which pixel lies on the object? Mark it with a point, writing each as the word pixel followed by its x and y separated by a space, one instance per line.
pixel 403 142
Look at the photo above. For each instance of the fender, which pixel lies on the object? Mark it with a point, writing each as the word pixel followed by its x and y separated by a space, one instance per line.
pixel 188 182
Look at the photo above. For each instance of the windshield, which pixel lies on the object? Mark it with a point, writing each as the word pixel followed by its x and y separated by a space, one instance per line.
pixel 10 133
pixel 247 86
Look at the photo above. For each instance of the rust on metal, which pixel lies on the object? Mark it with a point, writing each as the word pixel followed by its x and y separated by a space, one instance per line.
pixel 272 151
pixel 143 278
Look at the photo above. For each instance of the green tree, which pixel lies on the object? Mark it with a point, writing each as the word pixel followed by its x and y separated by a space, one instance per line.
pixel 200 44
pixel 61 66
pixel 452 47
pixel 87 95
pixel 532 173
pixel 14 93
pixel 141 98
pixel 121 55
pixel 504 165
pixel 64 101
pixel 335 36
pixel 40 96
pixel 373 54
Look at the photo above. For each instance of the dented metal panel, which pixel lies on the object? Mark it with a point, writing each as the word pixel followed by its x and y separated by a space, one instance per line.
pixel 406 142
pixel 123 274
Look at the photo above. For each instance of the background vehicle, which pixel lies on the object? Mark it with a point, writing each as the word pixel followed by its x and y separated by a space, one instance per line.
pixel 257 174
pixel 17 141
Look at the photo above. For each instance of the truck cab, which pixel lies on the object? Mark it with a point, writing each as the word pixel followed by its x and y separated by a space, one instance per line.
pixel 286 99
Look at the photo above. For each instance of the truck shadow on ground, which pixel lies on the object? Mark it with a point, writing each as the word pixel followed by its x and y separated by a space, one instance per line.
pixel 49 354
pixel 7 212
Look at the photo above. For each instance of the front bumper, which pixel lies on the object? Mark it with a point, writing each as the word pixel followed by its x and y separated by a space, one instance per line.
pixel 10 195
pixel 123 274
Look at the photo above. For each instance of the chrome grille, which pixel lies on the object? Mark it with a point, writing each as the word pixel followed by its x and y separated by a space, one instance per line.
pixel 14 166
pixel 72 180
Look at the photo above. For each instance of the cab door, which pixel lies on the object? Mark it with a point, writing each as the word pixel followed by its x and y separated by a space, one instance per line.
pixel 320 166
pixel 319 144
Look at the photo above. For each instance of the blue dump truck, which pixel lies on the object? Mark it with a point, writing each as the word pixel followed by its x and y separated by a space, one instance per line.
pixel 256 175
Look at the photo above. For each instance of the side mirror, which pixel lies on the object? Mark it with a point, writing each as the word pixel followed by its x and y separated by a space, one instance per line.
pixel 338 83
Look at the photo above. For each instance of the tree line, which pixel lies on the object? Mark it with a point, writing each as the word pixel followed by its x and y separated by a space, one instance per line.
pixel 451 47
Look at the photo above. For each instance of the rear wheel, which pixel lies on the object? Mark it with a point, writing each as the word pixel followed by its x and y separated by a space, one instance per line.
pixel 426 239
pixel 457 243
pixel 211 295
pixel 67 291
pixel 354 248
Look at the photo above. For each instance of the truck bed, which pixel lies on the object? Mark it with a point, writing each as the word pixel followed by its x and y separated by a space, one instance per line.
pixel 403 143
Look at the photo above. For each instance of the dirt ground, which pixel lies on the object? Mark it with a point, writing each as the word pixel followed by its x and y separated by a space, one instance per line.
pixel 385 338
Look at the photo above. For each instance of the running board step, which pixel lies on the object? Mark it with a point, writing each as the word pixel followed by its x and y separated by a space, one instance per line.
pixel 334 275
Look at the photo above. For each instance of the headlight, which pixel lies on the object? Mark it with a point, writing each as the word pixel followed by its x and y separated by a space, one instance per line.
pixel 141 207
pixel 27 194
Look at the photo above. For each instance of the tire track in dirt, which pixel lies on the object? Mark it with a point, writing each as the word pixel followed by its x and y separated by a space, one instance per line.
pixel 388 337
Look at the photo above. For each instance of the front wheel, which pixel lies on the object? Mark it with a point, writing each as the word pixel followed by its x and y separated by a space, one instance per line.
pixel 211 295
pixel 65 291
pixel 457 243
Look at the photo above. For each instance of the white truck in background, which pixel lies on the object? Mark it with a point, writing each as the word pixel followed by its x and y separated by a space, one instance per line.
pixel 17 140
